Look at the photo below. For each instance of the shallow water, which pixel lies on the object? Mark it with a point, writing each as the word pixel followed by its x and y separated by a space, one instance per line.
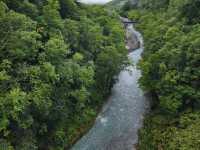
pixel 116 127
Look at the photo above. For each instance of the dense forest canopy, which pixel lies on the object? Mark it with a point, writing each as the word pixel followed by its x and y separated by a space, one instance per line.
pixel 58 61
pixel 170 72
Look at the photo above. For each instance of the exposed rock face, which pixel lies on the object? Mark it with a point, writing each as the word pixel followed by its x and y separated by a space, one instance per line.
pixel 132 42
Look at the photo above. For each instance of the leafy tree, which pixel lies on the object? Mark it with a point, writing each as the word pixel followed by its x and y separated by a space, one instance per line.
pixel 50 70
pixel 169 68
pixel 191 11
pixel 154 4
pixel 51 14
pixel 69 9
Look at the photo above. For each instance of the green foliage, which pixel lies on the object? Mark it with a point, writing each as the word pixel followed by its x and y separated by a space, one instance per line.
pixel 191 11
pixel 161 132
pixel 51 14
pixel 107 67
pixel 169 53
pixel 52 65
pixel 170 69
pixel 68 8
pixel 153 4
pixel 129 5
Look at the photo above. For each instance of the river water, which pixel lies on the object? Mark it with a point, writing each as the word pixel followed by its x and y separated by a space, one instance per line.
pixel 117 125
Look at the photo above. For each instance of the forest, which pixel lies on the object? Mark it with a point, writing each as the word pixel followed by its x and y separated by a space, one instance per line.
pixel 170 72
pixel 58 62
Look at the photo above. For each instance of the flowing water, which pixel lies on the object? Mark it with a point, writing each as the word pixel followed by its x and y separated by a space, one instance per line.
pixel 117 125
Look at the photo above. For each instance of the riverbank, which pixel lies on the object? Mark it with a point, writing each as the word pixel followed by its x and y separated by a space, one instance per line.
pixel 117 125
pixel 83 128
pixel 132 46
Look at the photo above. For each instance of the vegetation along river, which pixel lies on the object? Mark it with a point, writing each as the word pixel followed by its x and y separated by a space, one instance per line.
pixel 117 125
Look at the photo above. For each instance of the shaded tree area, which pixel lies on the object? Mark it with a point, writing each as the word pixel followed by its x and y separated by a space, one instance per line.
pixel 58 62
pixel 171 71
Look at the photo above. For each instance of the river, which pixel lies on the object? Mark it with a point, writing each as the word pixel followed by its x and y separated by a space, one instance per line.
pixel 117 125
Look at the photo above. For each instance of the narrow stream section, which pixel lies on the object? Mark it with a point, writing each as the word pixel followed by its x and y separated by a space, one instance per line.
pixel 116 127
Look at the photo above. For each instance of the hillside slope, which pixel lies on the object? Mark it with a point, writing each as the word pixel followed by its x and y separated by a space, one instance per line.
pixel 171 72
pixel 120 3
pixel 58 59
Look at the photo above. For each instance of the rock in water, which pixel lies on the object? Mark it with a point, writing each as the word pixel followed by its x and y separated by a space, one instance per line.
pixel 132 41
